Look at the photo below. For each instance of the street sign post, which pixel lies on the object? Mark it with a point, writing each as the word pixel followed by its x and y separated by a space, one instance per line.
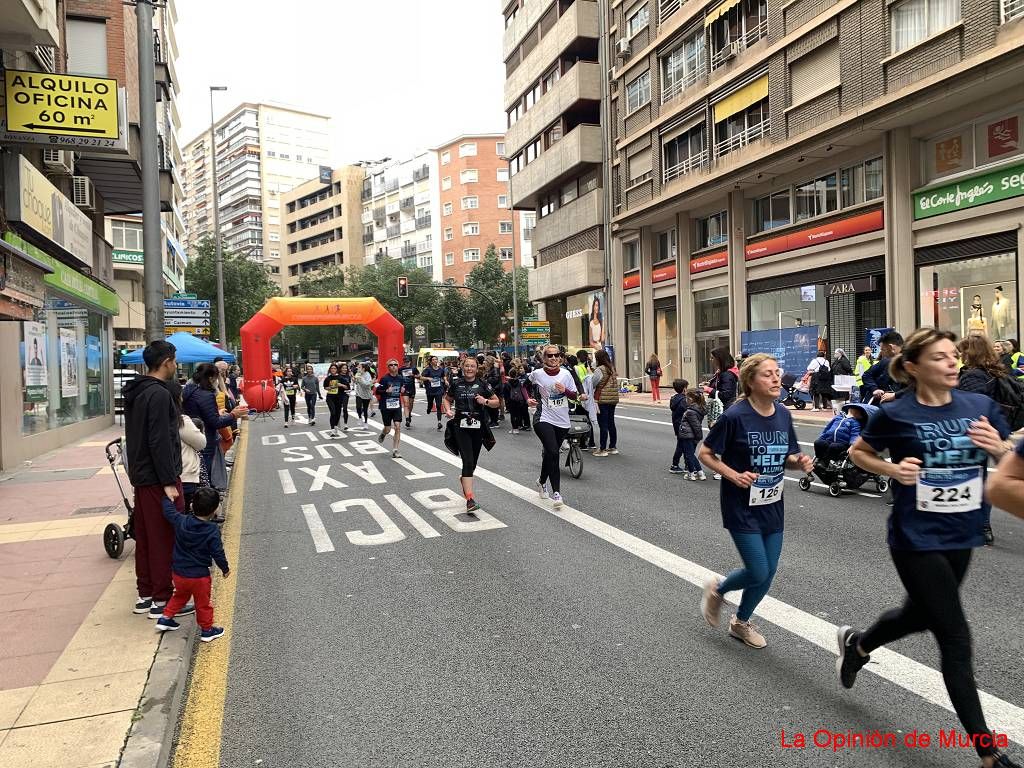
pixel 188 315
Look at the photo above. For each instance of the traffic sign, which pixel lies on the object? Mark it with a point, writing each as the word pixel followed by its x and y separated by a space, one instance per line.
pixel 194 330
pixel 180 295
pixel 65 105
pixel 186 304
pixel 197 314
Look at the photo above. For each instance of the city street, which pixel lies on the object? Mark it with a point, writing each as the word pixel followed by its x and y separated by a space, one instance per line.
pixel 375 625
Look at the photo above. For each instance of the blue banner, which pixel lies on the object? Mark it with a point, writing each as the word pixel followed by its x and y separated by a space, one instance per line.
pixel 793 348
pixel 873 337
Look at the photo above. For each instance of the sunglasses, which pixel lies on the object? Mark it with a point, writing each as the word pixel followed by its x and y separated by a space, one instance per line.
pixel 554 355
pixel 392 365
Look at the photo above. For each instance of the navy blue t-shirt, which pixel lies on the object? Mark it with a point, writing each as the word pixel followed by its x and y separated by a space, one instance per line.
pixel 749 442
pixel 938 436
pixel 391 388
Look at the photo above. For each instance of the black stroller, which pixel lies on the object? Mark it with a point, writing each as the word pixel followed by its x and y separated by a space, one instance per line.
pixel 789 381
pixel 839 473
pixel 114 535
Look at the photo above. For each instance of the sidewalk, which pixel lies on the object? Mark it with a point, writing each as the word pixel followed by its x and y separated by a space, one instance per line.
pixel 74 660
pixel 806 417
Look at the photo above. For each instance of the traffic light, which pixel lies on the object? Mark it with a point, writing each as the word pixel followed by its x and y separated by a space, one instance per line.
pixel 502 336
pixel 403 287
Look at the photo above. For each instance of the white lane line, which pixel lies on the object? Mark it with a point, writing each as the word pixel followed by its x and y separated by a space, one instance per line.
pixel 321 539
pixel 911 675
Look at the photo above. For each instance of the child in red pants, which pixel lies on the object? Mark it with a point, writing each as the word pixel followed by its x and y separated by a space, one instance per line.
pixel 197 544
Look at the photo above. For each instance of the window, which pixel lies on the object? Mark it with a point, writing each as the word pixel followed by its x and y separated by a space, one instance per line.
pixel 505 254
pixel 638 92
pixel 590 181
pixel 87 46
pixel 666 246
pixel 446 183
pixel 499 149
pixel 739 129
pixel 816 198
pixel 471 254
pixel 532 97
pixel 446 157
pixel 467 149
pixel 503 201
pixel 447 209
pixel 772 211
pixel 271 153
pixel 815 73
pixel 275 237
pixel 515 113
pixel 711 230
pixel 470 203
pixel 126 235
pixel 640 166
pixel 515 165
pixel 469 175
pixel 550 78
pixel 502 174
pixel 637 20
pixel 547 205
pixel 532 152
pixel 449 258
pixel 683 66
pixel 861 183
pixel 630 255
pixel 553 135
pixel 504 227
pixel 569 193
pixel 916 20
pixel 471 228
pixel 684 152
pixel 449 233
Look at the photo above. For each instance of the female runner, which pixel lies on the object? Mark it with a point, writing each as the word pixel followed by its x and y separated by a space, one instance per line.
pixel 465 402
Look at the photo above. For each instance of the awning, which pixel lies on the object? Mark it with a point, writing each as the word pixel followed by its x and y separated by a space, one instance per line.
pixel 716 14
pixel 743 98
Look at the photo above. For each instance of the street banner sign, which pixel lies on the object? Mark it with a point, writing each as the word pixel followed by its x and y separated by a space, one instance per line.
pixel 72 105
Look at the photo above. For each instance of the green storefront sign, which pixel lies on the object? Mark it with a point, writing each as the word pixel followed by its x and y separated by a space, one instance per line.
pixel 977 190
pixel 128 257
pixel 69 281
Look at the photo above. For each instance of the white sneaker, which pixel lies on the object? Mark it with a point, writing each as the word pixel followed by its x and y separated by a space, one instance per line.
pixel 395 454
pixel 598 454
pixel 613 451
pixel 700 475
pixel 717 476
pixel 815 410
pixel 556 500
pixel 691 475
pixel 515 431
pixel 542 490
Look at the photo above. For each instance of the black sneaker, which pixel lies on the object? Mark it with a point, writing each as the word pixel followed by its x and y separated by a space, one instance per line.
pixel 850 660
pixel 471 508
pixel 408 423
pixel 142 605
pixel 381 436
pixel 439 427
pixel 990 538
pixel 1002 761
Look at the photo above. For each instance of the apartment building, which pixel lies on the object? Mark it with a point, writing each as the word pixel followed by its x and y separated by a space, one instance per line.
pixel 475 208
pixel 401 212
pixel 263 151
pixel 321 225
pixel 835 165
pixel 554 142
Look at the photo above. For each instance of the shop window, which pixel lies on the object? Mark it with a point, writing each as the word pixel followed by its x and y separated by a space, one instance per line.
pixel 772 211
pixel 986 141
pixel 916 20
pixel 666 246
pixel 862 182
pixel 816 198
pixel 788 307
pixel 630 255
pixel 712 230
pixel 711 327
pixel 974 296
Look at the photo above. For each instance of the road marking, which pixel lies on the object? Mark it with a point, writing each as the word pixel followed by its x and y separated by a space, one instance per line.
pixel 321 539
pixel 911 675
pixel 422 526
pixel 669 424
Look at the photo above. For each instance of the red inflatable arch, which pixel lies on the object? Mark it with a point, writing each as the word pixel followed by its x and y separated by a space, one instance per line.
pixel 281 311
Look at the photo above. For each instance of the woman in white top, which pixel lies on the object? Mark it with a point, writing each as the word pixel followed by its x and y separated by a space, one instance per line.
pixel 364 391
pixel 553 388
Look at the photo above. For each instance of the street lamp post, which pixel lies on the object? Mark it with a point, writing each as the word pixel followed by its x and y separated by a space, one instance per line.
pixel 218 255
pixel 152 277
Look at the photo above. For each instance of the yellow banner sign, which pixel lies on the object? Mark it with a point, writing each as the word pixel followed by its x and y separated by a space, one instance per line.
pixel 66 105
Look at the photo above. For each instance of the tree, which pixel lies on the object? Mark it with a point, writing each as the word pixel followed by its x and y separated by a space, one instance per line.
pixel 456 318
pixel 490 277
pixel 247 286
pixel 380 281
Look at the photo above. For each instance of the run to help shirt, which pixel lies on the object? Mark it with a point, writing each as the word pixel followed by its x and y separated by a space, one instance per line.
pixel 944 509
pixel 554 405
pixel 436 384
pixel 749 442
pixel 409 373
pixel 391 389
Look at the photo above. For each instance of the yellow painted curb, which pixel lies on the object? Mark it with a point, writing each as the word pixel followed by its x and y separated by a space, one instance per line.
pixel 199 739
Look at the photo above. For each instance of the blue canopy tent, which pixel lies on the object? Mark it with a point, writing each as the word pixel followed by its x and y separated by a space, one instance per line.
pixel 190 349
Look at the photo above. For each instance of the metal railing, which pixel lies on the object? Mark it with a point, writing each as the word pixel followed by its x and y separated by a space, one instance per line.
pixel 690 164
pixel 528 233
pixel 1012 9
pixel 378 212
pixel 421 173
pixel 394 230
pixel 688 80
pixel 406 203
pixel 666 8
pixel 408 251
pixel 424 246
pixel 391 185
pixel 753 133
pixel 367 238
pixel 422 222
pixel 736 47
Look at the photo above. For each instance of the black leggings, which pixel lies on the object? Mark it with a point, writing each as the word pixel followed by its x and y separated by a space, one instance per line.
pixel 469 442
pixel 362 407
pixel 551 438
pixel 932 580
pixel 338 406
pixel 434 401
pixel 518 414
pixel 311 406
pixel 289 407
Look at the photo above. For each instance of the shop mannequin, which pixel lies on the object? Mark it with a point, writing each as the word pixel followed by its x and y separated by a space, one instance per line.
pixel 976 324
pixel 1000 314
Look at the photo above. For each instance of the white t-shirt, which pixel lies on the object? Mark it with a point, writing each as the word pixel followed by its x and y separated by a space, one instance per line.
pixel 554 405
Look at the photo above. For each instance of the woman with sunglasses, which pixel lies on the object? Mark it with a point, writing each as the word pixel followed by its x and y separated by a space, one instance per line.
pixel 553 388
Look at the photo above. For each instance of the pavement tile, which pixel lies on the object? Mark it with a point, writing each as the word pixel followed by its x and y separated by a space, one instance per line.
pixel 84 742
pixel 45 599
pixel 10 586
pixel 28 568
pixel 12 703
pixel 13 602
pixel 26 551
pixel 32 631
pixel 78 578
pixel 77 663
pixel 84 697
pixel 133 629
pixel 24 671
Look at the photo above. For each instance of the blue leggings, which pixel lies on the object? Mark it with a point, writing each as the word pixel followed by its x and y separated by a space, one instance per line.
pixel 760 553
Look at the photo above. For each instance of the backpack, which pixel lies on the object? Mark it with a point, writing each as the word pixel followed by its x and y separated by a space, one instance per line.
pixel 1009 393
pixel 515 391
pixel 823 376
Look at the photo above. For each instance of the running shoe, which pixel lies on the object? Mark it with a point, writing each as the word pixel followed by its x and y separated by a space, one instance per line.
pixel 157 610
pixel 711 603
pixel 556 500
pixel 691 475
pixel 381 436
pixel 542 489
pixel 345 428
pixel 408 423
pixel 211 634
pixel 286 425
pixel 515 431
pixel 471 507
pixel 746 633
pixel 850 661
pixel 312 423
pixel 439 426
pixel 613 451
pixel 675 469
pixel 1002 761
pixel 600 454
pixel 700 475
pixel 990 537
pixel 142 605
pixel 717 476
pixel 395 454
pixel 163 624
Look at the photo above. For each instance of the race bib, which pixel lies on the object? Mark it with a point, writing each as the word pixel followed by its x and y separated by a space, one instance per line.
pixel 557 401
pixel 470 424
pixel 332 390
pixel 949 490
pixel 767 489
pixel 435 383
pixel 393 402
pixel 289 391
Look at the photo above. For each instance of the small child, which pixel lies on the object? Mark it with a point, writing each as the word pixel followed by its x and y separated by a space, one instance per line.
pixel 678 405
pixel 197 544
pixel 841 432
pixel 690 432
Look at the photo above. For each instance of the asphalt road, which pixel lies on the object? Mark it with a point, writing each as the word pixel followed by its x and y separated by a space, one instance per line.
pixel 374 627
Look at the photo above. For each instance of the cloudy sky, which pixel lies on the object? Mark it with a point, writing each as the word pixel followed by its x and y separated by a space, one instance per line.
pixel 394 75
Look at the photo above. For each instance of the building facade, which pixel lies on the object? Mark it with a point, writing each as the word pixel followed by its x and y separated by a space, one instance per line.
pixel 321 225
pixel 263 151
pixel 475 209
pixel 401 212
pixel 554 142
pixel 835 166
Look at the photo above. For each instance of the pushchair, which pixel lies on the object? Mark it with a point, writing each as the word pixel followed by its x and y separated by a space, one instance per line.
pixel 114 535
pixel 839 473
pixel 789 382
pixel 579 427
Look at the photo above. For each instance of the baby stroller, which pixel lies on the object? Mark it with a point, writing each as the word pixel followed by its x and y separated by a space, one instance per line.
pixel 838 472
pixel 114 535
pixel 789 382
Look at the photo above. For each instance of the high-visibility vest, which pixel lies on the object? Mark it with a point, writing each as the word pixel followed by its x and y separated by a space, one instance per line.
pixel 863 363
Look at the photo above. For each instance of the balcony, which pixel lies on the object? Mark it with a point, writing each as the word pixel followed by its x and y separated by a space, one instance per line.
pixel 424 246
pixel 421 173
pixel 581 83
pixel 366 194
pixel 579 148
pixel 394 230
pixel 28 23
pixel 391 209
pixel 666 8
pixel 390 185
pixel 1012 9
pixel 750 135
pixel 697 75
pixel 378 213
pixel 367 217
pixel 580 21
pixel 406 203
pixel 408 251
pixel 409 225
pixel 423 222
pixel 582 213
pixel 579 272
pixel 689 165
pixel 736 47
pixel 367 238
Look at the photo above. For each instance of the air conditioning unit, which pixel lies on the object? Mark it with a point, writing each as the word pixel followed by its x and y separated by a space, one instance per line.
pixel 59 161
pixel 730 51
pixel 622 47
pixel 83 193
